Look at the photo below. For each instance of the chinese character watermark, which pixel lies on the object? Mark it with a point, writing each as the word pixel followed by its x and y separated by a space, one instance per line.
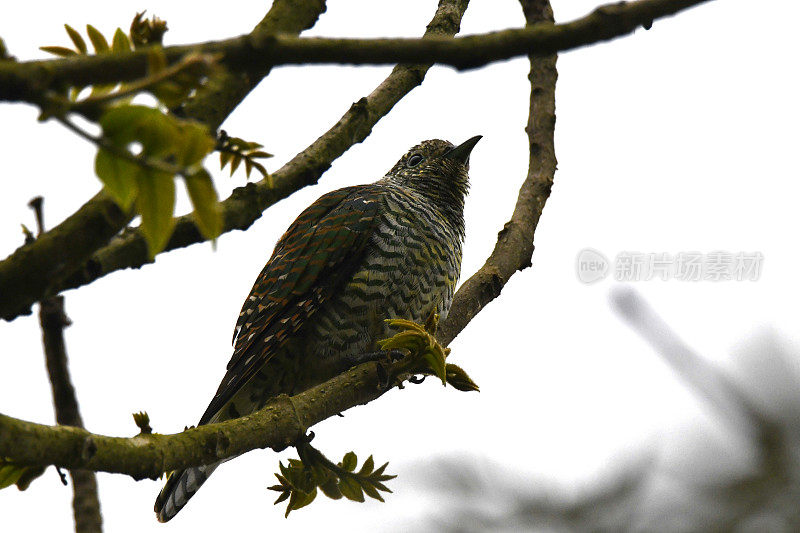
pixel 592 266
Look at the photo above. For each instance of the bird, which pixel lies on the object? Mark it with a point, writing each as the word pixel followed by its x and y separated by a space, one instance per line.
pixel 352 259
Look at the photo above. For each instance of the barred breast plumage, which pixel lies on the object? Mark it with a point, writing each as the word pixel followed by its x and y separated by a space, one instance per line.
pixel 355 257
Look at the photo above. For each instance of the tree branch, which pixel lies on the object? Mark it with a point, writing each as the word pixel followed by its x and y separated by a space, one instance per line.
pixel 284 420
pixel 32 271
pixel 30 274
pixel 85 503
pixel 514 247
pixel 26 81
pixel 53 320
pixel 246 204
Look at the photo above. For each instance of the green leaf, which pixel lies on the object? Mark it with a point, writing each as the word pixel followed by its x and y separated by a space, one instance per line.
pixel 169 93
pixel 196 143
pixel 349 461
pixel 204 198
pixel 381 486
pixel 119 123
pixel 367 467
pixel 236 161
pixel 9 474
pixel 379 472
pixel 59 51
pixel 372 492
pixel 458 378
pixel 351 489
pixel 32 472
pixel 435 360
pixel 118 176
pixel 331 489
pixel 21 476
pixel 294 475
pixel 156 203
pixel 300 499
pixel 120 42
pixel 99 42
pixel 284 495
pixel 76 38
pixel 255 155
pixel 158 133
pixel 224 159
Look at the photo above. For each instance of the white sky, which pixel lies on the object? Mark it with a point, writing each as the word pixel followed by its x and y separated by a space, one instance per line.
pixel 677 139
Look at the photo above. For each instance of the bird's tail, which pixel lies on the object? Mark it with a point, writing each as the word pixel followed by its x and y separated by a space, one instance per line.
pixel 179 488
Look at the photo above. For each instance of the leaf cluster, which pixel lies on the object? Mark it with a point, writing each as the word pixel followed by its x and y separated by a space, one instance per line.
pixel 120 44
pixel 233 150
pixel 300 478
pixel 145 32
pixel 143 149
pixel 142 421
pixel 425 355
pixel 165 146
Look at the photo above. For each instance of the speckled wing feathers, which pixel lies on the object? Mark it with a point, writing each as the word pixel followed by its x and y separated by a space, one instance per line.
pixel 316 254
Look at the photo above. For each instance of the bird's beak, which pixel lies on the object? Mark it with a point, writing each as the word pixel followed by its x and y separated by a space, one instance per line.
pixel 461 152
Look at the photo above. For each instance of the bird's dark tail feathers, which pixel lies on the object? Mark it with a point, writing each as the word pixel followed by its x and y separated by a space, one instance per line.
pixel 179 488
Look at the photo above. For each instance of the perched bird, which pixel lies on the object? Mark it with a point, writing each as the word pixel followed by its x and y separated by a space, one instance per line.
pixel 353 258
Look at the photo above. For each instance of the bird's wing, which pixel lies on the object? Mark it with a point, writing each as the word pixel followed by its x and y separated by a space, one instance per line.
pixel 313 258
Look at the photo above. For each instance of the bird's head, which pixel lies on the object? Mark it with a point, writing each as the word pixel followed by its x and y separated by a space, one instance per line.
pixel 436 169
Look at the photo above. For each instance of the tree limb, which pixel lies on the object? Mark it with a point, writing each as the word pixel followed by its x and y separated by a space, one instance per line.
pixel 32 271
pixel 514 247
pixel 53 320
pixel 285 419
pixel 246 204
pixel 26 81
pixel 85 503
pixel 282 422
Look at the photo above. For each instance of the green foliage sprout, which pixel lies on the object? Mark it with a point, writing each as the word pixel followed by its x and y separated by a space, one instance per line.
pixel 424 355
pixel 233 150
pixel 300 478
pixel 143 149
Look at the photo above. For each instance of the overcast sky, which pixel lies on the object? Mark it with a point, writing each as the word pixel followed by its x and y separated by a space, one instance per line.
pixel 677 140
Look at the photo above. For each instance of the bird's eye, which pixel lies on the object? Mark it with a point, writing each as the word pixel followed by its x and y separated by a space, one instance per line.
pixel 414 160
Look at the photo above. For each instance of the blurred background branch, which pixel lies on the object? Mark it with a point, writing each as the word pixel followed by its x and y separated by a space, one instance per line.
pixel 740 473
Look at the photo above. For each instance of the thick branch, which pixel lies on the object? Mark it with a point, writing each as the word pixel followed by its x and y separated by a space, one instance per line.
pixel 514 247
pixel 246 204
pixel 25 81
pixel 282 422
pixel 31 272
pixel 27 274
